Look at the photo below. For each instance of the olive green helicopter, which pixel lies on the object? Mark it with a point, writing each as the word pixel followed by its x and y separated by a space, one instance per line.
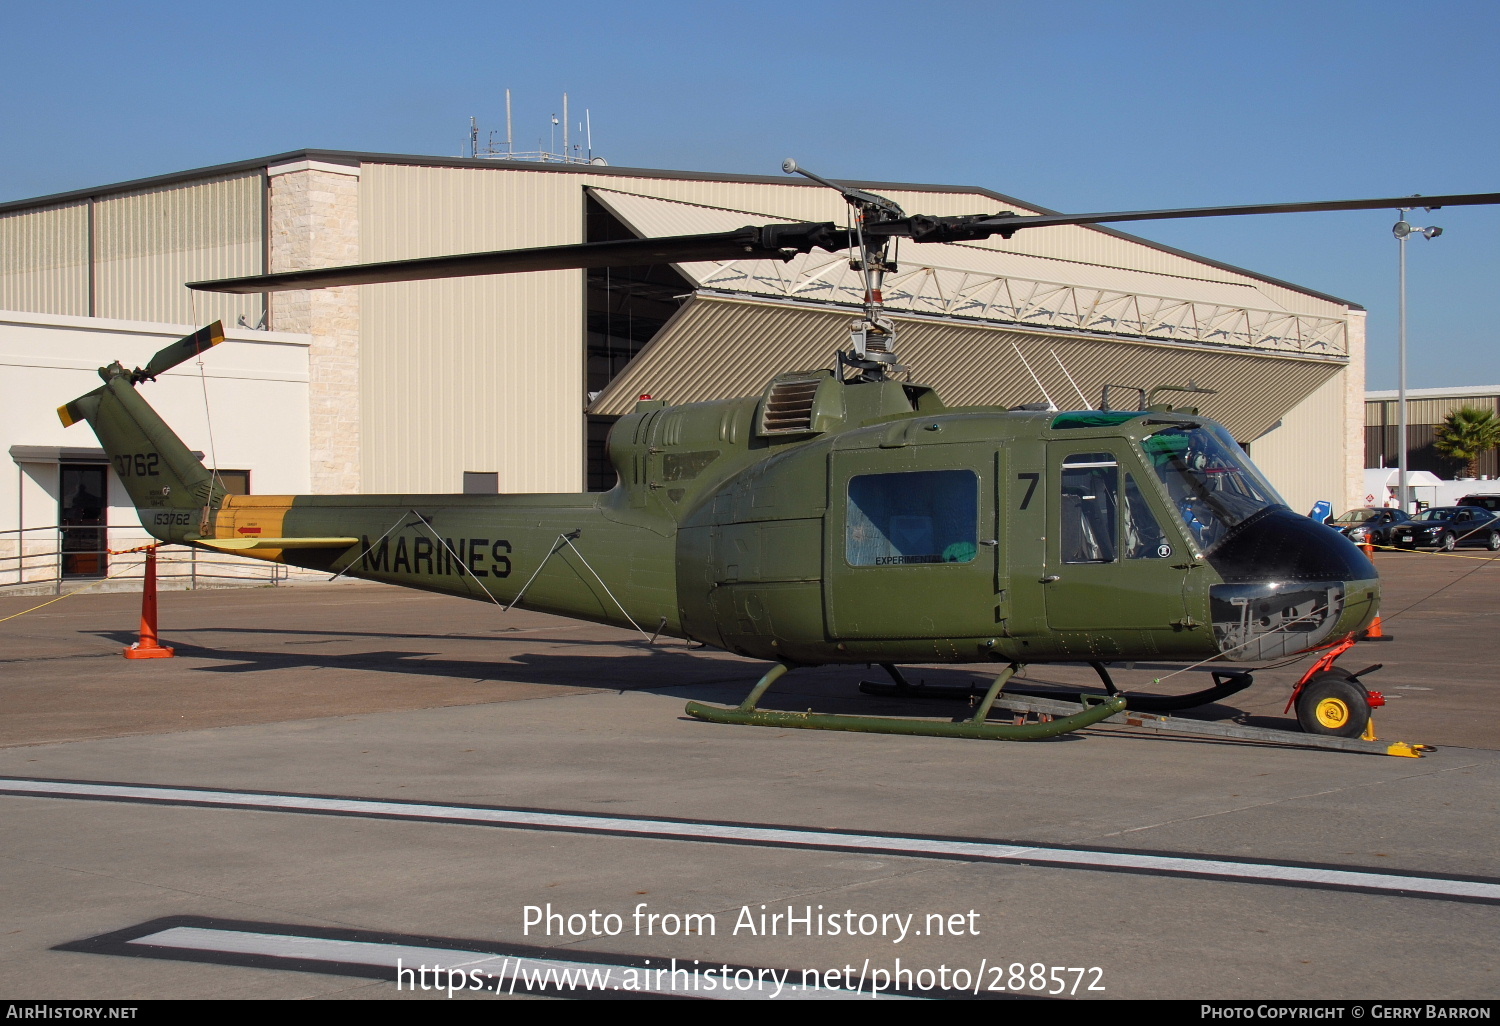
pixel 843 515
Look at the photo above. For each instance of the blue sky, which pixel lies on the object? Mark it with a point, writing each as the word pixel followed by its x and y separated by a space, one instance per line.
pixel 1075 105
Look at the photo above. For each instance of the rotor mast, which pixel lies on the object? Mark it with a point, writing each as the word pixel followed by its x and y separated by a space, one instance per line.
pixel 872 338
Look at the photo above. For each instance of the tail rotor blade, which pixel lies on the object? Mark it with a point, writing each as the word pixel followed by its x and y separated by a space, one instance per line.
pixel 183 349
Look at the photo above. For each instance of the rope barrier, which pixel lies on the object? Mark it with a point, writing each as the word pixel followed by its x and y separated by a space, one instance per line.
pixel 139 548
pixel 1420 552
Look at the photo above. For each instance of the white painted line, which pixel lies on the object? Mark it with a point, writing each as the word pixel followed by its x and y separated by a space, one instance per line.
pixel 1309 876
pixel 424 968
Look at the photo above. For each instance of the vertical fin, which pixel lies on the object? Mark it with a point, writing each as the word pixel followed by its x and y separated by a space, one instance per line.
pixel 160 473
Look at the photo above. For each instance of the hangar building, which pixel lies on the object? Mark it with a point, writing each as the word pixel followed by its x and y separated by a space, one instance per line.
pixel 1426 409
pixel 511 382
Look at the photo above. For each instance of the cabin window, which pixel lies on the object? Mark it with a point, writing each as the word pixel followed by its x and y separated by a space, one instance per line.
pixel 916 517
pixel 1090 507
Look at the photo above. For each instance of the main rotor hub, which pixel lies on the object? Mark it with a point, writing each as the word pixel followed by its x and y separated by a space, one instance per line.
pixel 872 338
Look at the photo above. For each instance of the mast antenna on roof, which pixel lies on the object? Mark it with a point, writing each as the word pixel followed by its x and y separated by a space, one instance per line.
pixel 545 152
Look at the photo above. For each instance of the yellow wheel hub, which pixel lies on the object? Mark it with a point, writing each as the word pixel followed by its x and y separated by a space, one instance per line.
pixel 1333 713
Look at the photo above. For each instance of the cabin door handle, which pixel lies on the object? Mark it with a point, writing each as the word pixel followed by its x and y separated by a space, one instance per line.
pixel 1050 578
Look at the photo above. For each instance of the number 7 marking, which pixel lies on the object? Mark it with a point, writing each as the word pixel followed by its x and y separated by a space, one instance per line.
pixel 1030 489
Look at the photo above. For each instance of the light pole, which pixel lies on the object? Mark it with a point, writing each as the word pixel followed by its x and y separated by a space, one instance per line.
pixel 1402 231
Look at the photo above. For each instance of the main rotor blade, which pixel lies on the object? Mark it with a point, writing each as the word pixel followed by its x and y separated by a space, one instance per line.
pixel 1409 202
pixel 954 229
pixel 768 242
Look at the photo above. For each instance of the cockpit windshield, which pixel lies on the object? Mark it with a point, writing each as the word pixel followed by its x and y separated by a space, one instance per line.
pixel 1212 482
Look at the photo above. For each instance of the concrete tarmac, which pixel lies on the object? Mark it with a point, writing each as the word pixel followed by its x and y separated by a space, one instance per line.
pixel 377 694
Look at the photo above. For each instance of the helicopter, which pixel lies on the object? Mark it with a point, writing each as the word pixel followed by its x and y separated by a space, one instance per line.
pixel 844 515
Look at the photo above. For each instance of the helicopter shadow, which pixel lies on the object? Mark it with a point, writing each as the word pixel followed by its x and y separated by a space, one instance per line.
pixel 674 668
pixel 321 636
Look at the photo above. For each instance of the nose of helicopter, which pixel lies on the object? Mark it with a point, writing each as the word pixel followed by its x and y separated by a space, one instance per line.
pixel 1290 584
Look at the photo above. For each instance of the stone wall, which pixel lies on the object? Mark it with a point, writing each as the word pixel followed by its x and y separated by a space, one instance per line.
pixel 315 223
pixel 1354 414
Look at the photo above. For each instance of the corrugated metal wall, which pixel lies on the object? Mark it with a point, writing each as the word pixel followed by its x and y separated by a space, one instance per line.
pixel 1303 457
pixel 474 374
pixel 1425 411
pixel 147 244
pixel 44 261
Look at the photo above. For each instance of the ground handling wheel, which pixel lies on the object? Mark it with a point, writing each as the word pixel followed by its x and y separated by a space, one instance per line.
pixel 1331 703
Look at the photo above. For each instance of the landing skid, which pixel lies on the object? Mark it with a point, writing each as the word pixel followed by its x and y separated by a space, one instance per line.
pixel 1093 709
pixel 1225 684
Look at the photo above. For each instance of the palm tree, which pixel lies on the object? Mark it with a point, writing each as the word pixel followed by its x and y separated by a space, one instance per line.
pixel 1467 434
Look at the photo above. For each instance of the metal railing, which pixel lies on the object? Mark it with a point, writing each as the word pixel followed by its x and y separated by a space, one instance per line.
pixel 37 556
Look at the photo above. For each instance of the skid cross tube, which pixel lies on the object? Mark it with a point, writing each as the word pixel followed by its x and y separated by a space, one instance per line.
pixel 975 726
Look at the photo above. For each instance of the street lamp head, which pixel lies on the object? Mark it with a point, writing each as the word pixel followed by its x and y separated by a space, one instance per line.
pixel 1402 229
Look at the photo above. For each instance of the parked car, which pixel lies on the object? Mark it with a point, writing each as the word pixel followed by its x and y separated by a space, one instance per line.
pixel 1448 527
pixel 1489 502
pixel 1372 524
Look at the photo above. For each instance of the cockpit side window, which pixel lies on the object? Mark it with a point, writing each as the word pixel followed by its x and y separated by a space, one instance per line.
pixel 1090 483
pixel 1142 535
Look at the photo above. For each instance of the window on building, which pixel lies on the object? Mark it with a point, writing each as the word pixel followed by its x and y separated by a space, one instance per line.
pixel 235 482
pixel 481 482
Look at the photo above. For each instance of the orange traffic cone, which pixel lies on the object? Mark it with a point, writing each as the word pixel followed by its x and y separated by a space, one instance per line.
pixel 148 647
pixel 1369 548
pixel 1375 633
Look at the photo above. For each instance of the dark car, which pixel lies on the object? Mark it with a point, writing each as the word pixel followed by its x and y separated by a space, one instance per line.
pixel 1372 524
pixel 1447 527
pixel 1489 502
